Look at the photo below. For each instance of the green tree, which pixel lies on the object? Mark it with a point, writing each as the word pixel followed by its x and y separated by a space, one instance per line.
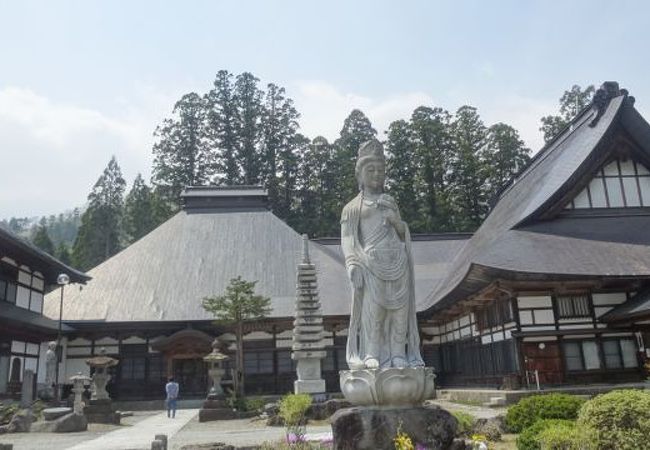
pixel 467 174
pixel 571 103
pixel 402 168
pixel 317 190
pixel 42 239
pixel 356 130
pixel 139 211
pixel 279 124
pixel 431 134
pixel 181 156
pixel 248 100
pixel 223 128
pixel 63 254
pixel 505 154
pixel 237 305
pixel 99 235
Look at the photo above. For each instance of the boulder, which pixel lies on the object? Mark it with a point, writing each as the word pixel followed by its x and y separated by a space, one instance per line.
pixel 21 422
pixel 375 427
pixel 65 424
pixel 491 428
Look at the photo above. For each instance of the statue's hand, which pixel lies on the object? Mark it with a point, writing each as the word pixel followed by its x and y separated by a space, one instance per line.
pixel 354 272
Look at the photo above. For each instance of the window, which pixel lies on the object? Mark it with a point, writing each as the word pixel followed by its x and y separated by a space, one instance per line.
pixel 258 362
pixel 496 313
pixel 132 368
pixel 581 355
pixel 573 306
pixel 285 363
pixel 621 183
pixel 620 353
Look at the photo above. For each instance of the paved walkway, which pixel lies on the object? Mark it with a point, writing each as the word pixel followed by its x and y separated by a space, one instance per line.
pixel 140 435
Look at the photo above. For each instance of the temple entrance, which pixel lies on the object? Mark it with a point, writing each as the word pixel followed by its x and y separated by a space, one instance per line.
pixel 184 352
pixel 192 377
pixel 543 357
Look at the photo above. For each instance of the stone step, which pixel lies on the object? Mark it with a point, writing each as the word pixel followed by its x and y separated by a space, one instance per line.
pixel 495 402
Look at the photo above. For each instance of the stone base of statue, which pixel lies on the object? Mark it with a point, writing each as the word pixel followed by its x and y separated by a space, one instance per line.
pixel 101 411
pixel 216 409
pixel 375 427
pixel 407 386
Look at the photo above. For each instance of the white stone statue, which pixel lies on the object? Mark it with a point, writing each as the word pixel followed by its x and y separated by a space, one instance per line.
pixel 50 364
pixel 377 247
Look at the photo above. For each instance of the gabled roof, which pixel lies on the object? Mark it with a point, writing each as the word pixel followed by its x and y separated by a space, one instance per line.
pixel 27 253
pixel 517 236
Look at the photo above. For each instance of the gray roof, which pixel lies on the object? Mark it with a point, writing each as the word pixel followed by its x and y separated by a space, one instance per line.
pixel 164 275
pixel 14 316
pixel 27 253
pixel 635 308
pixel 516 237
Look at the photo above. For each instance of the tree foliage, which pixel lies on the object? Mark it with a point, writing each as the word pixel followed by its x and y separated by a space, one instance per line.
pixel 571 103
pixel 42 239
pixel 100 233
pixel 237 305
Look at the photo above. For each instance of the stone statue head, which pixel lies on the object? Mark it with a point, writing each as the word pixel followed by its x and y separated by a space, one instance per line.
pixel 370 152
pixel 51 345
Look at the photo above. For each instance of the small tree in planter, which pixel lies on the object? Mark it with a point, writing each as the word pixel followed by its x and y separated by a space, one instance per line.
pixel 237 305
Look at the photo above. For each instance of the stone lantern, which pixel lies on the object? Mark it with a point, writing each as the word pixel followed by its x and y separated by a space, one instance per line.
pixel 100 409
pixel 79 382
pixel 215 360
pixel 215 407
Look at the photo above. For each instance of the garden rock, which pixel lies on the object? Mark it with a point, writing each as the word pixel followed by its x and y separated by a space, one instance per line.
pixel 65 424
pixel 375 427
pixel 491 428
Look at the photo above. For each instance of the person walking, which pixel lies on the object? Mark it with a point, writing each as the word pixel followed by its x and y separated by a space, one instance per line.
pixel 171 388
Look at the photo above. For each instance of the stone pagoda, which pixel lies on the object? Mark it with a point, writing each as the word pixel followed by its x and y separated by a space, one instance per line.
pixel 308 344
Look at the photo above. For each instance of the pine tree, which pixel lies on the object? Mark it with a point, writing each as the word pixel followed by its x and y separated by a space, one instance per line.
pixel 467 174
pixel 402 167
pixel 317 190
pixel 431 133
pixel 63 254
pixel 100 232
pixel 504 154
pixel 42 239
pixel 181 155
pixel 139 213
pixel 571 103
pixel 248 98
pixel 280 143
pixel 356 130
pixel 237 305
pixel 223 129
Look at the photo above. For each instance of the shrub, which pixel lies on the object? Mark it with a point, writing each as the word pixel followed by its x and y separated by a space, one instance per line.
pixel 465 422
pixel 551 406
pixel 565 437
pixel 529 438
pixel 293 408
pixel 620 419
pixel 254 404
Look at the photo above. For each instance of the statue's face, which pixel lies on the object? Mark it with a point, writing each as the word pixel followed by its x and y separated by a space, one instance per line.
pixel 373 174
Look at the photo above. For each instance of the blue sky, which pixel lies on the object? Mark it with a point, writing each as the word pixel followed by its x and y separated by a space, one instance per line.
pixel 83 80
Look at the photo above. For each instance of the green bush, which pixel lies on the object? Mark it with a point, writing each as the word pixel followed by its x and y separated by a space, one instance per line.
pixel 293 408
pixel 7 412
pixel 529 438
pixel 465 423
pixel 551 406
pixel 565 437
pixel 254 404
pixel 620 419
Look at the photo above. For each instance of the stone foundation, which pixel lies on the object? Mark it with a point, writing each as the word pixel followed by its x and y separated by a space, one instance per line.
pixel 101 411
pixel 216 409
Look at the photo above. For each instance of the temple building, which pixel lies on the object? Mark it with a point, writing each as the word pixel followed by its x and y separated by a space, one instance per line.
pixel 554 282
pixel 26 275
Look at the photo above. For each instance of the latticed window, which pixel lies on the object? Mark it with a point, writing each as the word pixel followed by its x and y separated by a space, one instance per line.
pixel 497 313
pixel 572 306
pixel 622 183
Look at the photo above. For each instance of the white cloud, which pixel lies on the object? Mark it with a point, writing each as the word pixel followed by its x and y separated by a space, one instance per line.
pixel 323 107
pixel 52 153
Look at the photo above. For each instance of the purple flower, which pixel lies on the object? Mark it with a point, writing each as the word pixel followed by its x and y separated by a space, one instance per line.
pixel 293 438
pixel 419 446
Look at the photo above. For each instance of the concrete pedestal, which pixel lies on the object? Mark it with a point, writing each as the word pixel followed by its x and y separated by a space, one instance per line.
pixel 375 427
pixel 101 411
pixel 309 386
pixel 216 409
